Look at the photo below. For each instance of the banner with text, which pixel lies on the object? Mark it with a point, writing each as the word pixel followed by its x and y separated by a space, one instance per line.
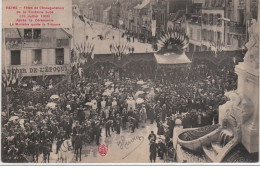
pixel 39 70
pixel 37 14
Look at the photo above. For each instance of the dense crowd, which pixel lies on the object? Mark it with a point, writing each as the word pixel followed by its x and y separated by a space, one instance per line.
pixel 96 103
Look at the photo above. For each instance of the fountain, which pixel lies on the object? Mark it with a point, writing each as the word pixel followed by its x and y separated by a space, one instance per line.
pixel 238 117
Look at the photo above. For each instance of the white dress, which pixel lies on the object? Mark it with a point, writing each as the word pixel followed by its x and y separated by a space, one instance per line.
pixel 94 104
pixel 103 104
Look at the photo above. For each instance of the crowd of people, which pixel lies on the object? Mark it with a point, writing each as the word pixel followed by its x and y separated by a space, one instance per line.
pixel 88 106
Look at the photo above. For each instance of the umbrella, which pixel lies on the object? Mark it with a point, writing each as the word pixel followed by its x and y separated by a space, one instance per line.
pixel 145 86
pixel 89 104
pixel 140 82
pixel 139 92
pixel 106 93
pixel 13 118
pixel 21 121
pixel 54 97
pixel 139 101
pixel 161 137
pixel 108 83
pixel 51 105
pixel 10 138
pixel 30 107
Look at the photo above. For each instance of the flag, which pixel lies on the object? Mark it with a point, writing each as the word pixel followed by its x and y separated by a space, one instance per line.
pixel 153 27
pixel 80 72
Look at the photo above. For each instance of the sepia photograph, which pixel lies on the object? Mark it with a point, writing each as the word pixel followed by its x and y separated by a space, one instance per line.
pixel 153 82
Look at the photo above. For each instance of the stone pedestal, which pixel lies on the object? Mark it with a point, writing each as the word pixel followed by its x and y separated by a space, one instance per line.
pixel 248 88
pixel 243 107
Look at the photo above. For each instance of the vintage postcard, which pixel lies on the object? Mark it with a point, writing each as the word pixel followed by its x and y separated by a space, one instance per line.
pixel 130 82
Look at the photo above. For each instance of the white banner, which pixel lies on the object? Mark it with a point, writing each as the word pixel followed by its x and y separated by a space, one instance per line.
pixel 153 27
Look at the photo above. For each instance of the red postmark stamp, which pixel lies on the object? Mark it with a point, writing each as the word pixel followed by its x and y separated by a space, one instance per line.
pixel 102 149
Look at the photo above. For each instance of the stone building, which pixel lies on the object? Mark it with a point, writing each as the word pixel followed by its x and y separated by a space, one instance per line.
pixel 36 52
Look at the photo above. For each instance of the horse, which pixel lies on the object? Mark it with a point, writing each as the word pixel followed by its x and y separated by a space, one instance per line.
pixel 78 143
pixel 65 147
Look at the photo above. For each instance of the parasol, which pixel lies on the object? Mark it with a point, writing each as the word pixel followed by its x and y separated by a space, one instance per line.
pixel 89 104
pixel 54 97
pixel 108 83
pixel 138 93
pixel 10 138
pixel 51 105
pixel 178 122
pixel 106 93
pixel 161 137
pixel 21 121
pixel 13 118
pixel 139 101
pixel 30 107
pixel 140 82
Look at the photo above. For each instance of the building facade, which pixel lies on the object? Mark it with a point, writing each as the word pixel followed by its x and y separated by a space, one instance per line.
pixel 212 26
pixel 107 16
pixel 240 13
pixel 36 52
pixel 78 27
pixel 115 10
pixel 159 13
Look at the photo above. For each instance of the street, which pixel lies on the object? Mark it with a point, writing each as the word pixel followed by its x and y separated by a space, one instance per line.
pixel 102 46
pixel 134 149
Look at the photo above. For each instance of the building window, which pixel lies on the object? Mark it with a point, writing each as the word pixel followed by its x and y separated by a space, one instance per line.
pixel 28 33
pixel 210 36
pixel 198 35
pixel 15 57
pixel 191 33
pixel 36 33
pixel 162 18
pixel 191 47
pixel 59 56
pixel 32 33
pixel 229 38
pixel 205 18
pixel 229 14
pixel 204 35
pixel 197 48
pixel 219 37
pixel 218 21
pixel 211 19
pixel 37 57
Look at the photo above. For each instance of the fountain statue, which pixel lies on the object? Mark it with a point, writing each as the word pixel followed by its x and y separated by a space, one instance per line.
pixel 238 117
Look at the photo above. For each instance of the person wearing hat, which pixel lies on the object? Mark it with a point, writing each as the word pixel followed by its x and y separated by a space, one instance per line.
pixel 143 115
pixel 153 151
pixel 103 103
pixel 124 118
pixel 152 136
pixel 114 102
pixel 161 149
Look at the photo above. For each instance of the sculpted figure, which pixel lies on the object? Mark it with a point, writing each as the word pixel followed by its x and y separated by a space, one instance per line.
pixel 252 55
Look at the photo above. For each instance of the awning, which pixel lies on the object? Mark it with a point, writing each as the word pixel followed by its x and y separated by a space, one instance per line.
pixel 172 59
